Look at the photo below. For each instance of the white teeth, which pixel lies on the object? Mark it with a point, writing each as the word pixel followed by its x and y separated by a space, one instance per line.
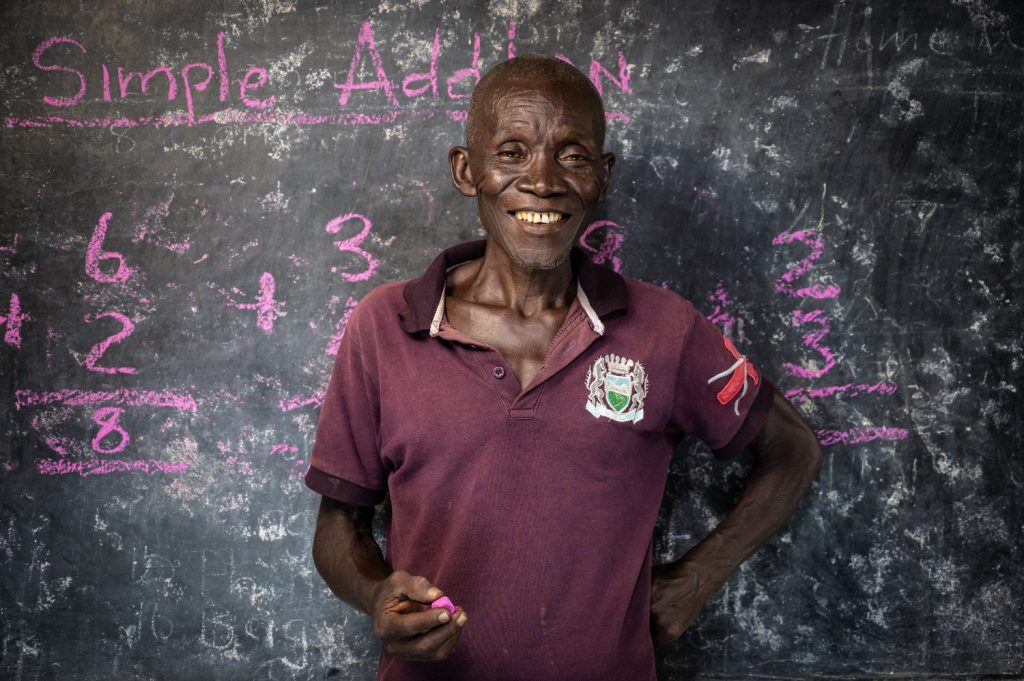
pixel 538 218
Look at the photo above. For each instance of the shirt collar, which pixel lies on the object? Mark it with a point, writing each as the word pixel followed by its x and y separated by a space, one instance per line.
pixel 600 291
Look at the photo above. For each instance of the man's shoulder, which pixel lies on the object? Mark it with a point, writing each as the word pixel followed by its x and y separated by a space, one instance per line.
pixel 385 297
pixel 377 311
pixel 651 299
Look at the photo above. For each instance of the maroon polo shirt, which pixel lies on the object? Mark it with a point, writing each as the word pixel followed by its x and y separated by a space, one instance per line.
pixel 533 508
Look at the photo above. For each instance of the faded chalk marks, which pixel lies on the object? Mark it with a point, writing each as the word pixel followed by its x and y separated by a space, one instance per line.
pixel 856 436
pixel 87 467
pixel 339 329
pixel 121 396
pixel 293 402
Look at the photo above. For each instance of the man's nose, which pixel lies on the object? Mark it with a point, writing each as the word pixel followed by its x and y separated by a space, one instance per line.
pixel 542 177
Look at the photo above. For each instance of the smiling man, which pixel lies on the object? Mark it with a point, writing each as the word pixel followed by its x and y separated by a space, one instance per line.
pixel 521 406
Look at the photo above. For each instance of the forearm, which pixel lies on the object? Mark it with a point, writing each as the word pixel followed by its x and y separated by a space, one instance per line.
pixel 346 555
pixel 787 458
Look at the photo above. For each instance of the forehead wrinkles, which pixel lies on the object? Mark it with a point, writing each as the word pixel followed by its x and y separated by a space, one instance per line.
pixel 537 110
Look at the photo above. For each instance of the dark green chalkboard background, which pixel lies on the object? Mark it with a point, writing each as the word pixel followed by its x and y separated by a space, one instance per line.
pixel 888 136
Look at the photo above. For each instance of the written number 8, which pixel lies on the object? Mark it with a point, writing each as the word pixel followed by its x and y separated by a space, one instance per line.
pixel 107 419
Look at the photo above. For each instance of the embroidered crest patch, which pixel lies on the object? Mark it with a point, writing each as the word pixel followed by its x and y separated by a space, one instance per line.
pixel 616 388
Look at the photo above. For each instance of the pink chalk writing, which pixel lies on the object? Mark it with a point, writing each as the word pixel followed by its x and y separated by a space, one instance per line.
pixel 37 56
pixel 189 87
pixel 611 241
pixel 222 67
pixel 855 436
pixel 473 71
pixel 96 353
pixel 267 308
pixel 95 253
pixel 87 467
pixel 814 340
pixel 807 394
pixel 339 329
pixel 283 449
pixel 511 53
pixel 719 312
pixel 247 84
pixel 784 284
pixel 108 419
pixel 12 321
pixel 123 396
pixel 597 69
pixel 294 402
pixel 365 41
pixel 126 77
pixel 58 55
pixel 124 81
pixel 58 444
pixel 430 76
pixel 622 82
pixel 352 245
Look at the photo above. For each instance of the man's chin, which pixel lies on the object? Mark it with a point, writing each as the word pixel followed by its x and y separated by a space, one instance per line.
pixel 539 263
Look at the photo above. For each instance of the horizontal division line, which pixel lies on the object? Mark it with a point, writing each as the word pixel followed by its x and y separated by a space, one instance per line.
pixel 847 390
pixel 126 396
pixel 94 466
pixel 239 117
pixel 294 402
pixel 856 436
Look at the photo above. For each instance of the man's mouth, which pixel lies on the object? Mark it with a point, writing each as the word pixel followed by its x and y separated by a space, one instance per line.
pixel 538 218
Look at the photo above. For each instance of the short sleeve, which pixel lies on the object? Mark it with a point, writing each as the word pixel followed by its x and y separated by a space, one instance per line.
pixel 721 397
pixel 346 464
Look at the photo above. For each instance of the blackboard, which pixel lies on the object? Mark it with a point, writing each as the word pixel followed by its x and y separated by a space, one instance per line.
pixel 196 195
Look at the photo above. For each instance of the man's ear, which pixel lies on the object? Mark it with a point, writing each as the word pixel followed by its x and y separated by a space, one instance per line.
pixel 458 159
pixel 607 160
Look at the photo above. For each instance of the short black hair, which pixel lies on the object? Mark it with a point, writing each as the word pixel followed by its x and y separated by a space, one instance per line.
pixel 533 67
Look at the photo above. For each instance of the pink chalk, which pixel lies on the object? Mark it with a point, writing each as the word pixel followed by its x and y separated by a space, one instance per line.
pixel 444 602
pixel 611 242
pixel 351 245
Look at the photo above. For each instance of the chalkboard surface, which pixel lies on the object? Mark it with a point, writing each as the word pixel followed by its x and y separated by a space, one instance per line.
pixel 197 195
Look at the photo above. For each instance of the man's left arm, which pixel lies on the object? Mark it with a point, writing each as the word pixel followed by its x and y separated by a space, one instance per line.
pixel 787 458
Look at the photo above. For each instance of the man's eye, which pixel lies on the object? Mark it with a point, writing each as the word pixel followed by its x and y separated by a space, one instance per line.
pixel 575 158
pixel 508 153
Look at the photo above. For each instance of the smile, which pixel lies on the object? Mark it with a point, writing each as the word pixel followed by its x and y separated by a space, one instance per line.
pixel 533 217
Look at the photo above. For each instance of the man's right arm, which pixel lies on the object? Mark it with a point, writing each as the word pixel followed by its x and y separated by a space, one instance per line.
pixel 348 558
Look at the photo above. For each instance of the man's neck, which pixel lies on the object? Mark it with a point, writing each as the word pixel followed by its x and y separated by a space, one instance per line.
pixel 495 280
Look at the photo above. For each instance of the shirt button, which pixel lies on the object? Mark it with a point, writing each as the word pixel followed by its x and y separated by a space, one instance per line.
pixel 499 372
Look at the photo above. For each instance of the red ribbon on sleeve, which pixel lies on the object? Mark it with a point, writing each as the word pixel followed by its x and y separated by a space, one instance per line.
pixel 738 374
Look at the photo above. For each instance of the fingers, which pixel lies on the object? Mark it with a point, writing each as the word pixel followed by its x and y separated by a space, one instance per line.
pixel 406 624
pixel 436 644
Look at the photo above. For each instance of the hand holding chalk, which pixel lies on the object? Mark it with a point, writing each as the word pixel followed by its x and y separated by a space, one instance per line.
pixel 407 628
pixel 444 602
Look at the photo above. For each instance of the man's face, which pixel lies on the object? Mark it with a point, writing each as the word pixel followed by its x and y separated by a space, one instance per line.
pixel 537 171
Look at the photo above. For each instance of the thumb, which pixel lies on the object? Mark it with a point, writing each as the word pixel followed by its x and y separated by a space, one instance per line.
pixel 420 589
